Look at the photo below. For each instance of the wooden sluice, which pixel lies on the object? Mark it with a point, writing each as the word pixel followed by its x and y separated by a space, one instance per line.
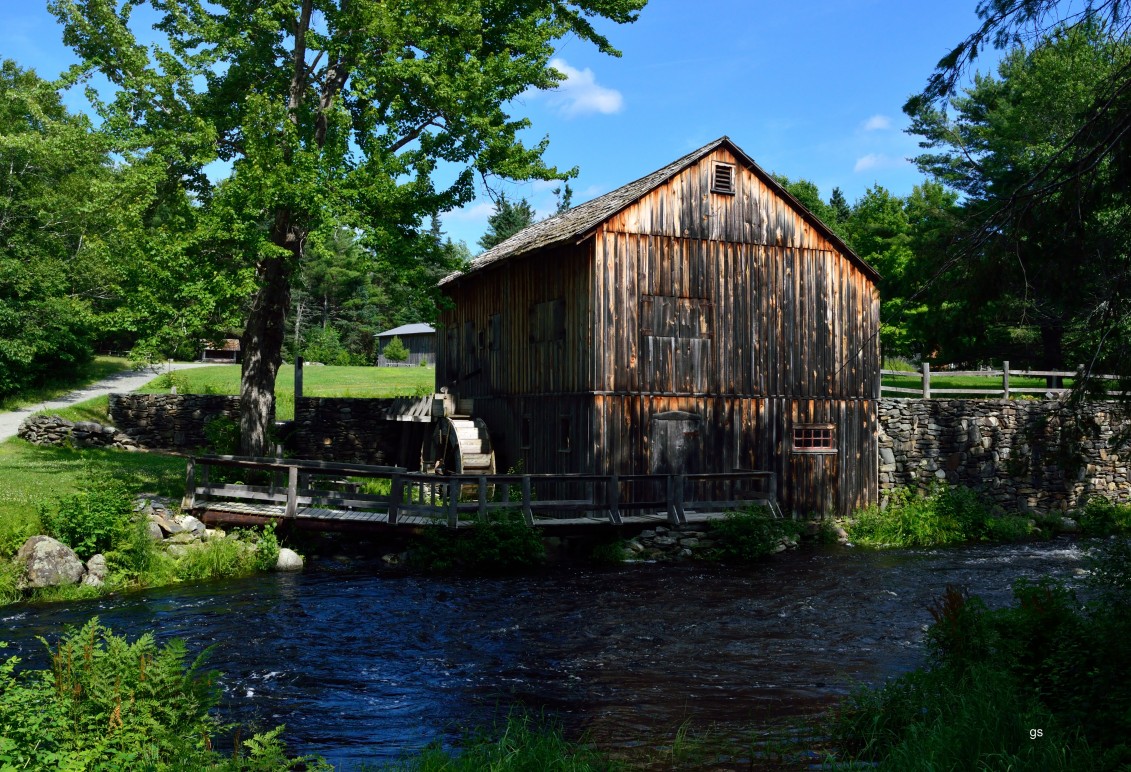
pixel 323 496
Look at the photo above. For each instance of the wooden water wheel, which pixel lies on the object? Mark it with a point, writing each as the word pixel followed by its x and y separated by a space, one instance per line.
pixel 458 445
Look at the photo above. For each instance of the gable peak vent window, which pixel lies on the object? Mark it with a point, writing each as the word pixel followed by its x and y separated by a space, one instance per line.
pixel 722 178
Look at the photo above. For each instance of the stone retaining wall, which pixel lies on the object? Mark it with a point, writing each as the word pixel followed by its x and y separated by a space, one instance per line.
pixel 341 429
pixel 1025 455
pixel 170 421
pixel 329 429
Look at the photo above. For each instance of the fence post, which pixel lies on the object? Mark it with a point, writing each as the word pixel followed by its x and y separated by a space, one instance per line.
pixel 482 498
pixel 292 492
pixel 453 503
pixel 527 513
pixel 673 518
pixel 396 496
pixel 1005 378
pixel 613 496
pixel 189 500
pixel 298 379
pixel 926 380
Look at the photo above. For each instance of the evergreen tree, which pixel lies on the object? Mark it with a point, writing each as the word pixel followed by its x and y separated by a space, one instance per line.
pixel 507 220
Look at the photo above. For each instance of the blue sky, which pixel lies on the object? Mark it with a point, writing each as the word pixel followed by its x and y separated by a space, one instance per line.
pixel 811 89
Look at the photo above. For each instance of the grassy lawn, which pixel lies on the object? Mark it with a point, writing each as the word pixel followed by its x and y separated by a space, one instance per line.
pixel 96 370
pixel 321 381
pixel 32 475
pixel 942 381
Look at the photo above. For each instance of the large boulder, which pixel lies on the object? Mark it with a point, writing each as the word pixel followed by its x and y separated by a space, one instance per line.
pixel 289 560
pixel 48 562
pixel 96 570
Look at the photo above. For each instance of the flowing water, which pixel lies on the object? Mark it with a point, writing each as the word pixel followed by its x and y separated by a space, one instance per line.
pixel 360 664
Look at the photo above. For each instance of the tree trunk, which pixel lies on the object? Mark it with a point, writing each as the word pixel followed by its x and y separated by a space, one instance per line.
pixel 262 343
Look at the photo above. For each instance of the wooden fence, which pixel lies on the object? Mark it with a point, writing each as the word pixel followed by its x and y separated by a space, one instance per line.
pixel 1005 391
pixel 315 490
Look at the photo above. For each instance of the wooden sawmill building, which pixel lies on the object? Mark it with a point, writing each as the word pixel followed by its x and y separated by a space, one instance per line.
pixel 699 319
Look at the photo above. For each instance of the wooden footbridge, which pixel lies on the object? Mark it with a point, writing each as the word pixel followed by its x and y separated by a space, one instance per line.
pixel 323 496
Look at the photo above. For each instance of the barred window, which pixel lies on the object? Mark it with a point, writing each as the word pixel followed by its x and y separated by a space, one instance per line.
pixel 814 438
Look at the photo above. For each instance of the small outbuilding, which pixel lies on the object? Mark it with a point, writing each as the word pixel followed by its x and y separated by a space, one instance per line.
pixel 419 339
pixel 699 319
pixel 227 351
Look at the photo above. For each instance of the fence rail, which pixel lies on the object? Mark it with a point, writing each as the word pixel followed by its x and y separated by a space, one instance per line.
pixel 1005 391
pixel 314 487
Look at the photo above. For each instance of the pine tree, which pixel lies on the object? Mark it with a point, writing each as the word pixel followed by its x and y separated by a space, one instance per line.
pixel 507 220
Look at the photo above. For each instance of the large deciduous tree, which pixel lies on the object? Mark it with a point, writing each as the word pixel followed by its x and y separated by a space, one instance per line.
pixel 1045 248
pixel 331 113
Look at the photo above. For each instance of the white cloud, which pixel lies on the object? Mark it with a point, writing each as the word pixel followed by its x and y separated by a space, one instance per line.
pixel 878 161
pixel 877 123
pixel 580 94
pixel 870 161
pixel 476 212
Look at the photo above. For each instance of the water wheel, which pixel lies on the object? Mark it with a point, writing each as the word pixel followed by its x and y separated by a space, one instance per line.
pixel 458 445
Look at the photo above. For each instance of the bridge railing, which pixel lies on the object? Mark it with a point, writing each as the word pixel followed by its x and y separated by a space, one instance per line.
pixel 458 499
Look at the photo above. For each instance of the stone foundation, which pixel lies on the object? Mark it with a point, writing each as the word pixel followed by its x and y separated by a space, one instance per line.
pixel 170 421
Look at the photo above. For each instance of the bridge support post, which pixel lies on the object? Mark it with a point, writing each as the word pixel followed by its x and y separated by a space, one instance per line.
pixel 453 503
pixel 613 495
pixel 527 512
pixel 292 493
pixel 189 500
pixel 396 496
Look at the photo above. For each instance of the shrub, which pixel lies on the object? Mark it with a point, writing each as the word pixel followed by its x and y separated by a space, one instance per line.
pixel 748 535
pixel 91 521
pixel 946 515
pixel 108 703
pixel 1101 517
pixel 503 544
pixel 223 435
pixel 395 350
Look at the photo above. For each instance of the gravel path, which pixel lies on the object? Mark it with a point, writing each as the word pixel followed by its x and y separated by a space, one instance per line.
pixel 127 380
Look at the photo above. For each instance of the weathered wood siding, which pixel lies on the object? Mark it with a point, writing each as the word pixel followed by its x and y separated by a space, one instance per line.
pixel 524 327
pixel 722 320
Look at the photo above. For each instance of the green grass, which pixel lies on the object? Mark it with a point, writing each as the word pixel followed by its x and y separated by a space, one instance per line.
pixel 97 410
pixel 941 381
pixel 328 381
pixel 32 475
pixel 95 370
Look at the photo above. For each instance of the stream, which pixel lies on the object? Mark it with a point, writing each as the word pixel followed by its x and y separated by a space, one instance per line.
pixel 361 664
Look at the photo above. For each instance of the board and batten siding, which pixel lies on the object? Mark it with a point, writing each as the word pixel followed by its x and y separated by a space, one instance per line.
pixel 715 322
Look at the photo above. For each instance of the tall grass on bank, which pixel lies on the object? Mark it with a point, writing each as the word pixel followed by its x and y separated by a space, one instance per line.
pixel 947 515
pixel 521 744
pixel 1044 684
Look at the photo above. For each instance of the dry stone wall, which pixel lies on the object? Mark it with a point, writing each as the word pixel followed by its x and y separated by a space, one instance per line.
pixel 342 429
pixel 1025 455
pixel 170 421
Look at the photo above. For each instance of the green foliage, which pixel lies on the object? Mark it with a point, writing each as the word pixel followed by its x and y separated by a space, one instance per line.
pixel 108 703
pixel 93 519
pixel 503 544
pixel 507 219
pixel 1048 662
pixel 395 350
pixel 217 559
pixel 223 435
pixel 1101 517
pixel 324 345
pixel 609 553
pixel 947 515
pixel 522 744
pixel 746 536
pixel 267 549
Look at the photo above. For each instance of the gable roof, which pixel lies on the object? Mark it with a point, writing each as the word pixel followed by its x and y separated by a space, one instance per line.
pixel 418 328
pixel 577 222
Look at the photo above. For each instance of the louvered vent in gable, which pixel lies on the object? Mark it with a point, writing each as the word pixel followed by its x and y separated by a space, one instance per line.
pixel 722 180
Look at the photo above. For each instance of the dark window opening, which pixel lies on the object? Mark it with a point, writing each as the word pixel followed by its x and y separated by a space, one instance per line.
pixel 496 324
pixel 563 441
pixel 722 178
pixel 814 438
pixel 547 321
